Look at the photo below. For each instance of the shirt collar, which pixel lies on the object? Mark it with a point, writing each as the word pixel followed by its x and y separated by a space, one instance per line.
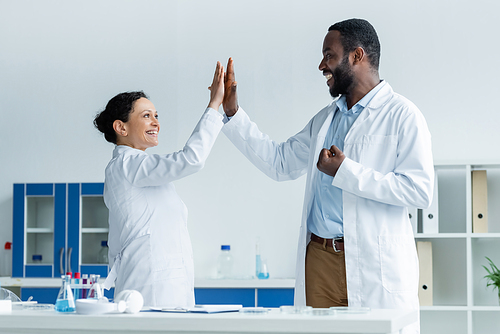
pixel 358 107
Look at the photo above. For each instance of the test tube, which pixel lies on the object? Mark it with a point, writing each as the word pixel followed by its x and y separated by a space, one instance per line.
pixel 85 279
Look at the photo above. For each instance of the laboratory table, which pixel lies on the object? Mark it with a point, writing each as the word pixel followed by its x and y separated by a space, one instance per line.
pixel 376 321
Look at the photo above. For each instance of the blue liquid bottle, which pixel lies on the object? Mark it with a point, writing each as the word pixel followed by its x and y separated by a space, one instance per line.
pixel 261 271
pixel 65 301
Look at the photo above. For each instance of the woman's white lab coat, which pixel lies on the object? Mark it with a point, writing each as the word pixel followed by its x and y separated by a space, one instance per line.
pixel 149 245
pixel 388 167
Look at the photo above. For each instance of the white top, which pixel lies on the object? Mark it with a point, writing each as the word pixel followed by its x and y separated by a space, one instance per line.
pixel 149 245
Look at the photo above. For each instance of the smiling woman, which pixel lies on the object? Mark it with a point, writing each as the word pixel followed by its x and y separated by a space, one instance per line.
pixel 141 129
pixel 149 245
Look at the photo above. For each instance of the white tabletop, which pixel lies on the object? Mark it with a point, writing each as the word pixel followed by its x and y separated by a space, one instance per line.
pixel 376 321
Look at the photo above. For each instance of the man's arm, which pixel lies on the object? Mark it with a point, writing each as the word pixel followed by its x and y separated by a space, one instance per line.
pixel 409 184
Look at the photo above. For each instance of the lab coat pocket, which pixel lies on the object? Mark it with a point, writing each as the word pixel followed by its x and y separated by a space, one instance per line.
pixel 379 152
pixel 398 263
pixel 169 266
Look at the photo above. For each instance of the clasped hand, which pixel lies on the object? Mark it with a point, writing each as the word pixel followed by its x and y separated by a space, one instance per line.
pixel 223 89
pixel 330 160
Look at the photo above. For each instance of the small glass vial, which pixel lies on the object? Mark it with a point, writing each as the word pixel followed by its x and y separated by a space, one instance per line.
pixel 65 301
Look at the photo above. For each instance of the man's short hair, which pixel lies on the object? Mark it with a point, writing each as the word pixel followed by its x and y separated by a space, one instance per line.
pixel 359 33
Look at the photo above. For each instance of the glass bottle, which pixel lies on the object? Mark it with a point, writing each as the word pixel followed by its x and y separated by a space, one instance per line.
pixel 102 257
pixel 257 258
pixel 225 262
pixel 65 301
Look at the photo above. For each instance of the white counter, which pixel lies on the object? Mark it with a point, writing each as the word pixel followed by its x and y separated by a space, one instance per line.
pixel 376 321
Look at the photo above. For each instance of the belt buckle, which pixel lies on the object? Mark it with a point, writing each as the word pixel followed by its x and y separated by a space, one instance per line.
pixel 333 244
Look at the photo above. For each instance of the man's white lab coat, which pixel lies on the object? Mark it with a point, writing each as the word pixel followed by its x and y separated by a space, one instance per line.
pixel 388 167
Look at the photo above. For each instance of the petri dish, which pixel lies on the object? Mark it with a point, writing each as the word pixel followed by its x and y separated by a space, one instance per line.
pixel 294 309
pixel 320 311
pixel 351 310
pixel 253 310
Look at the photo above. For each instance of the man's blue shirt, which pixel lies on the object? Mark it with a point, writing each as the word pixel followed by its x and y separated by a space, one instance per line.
pixel 326 215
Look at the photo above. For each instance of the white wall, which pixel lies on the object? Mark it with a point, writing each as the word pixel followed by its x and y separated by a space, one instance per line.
pixel 61 61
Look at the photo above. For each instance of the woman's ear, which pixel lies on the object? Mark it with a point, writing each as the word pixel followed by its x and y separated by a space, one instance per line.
pixel 120 128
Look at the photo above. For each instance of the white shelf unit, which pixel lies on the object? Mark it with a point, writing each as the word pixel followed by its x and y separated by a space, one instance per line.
pixel 462 302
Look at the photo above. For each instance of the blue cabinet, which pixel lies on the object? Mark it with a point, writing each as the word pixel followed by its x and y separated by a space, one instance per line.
pixel 264 297
pixel 58 227
pixel 87 227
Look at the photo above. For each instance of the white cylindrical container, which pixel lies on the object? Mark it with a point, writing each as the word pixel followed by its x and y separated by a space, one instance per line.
pixel 133 300
pixel 225 262
pixel 6 265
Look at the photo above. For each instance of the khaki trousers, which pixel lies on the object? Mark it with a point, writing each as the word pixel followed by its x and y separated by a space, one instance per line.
pixel 325 276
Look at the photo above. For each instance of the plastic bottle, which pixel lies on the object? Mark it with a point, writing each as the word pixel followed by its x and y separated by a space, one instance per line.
pixel 65 301
pixel 132 298
pixel 225 262
pixel 6 269
pixel 102 257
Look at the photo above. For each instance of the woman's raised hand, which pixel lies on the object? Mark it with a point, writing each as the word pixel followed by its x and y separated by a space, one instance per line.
pixel 217 88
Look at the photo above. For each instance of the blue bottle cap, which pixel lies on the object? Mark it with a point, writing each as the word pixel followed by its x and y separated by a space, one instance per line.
pixel 37 257
pixel 225 247
pixel 104 243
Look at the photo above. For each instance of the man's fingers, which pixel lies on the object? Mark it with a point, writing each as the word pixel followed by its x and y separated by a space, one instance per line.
pixel 230 70
pixel 324 154
pixel 335 150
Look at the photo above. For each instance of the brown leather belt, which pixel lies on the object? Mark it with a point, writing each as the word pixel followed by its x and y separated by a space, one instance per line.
pixel 337 244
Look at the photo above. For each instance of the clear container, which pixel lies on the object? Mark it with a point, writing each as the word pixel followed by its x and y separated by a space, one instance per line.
pixel 254 310
pixel 102 257
pixel 65 301
pixel 95 291
pixel 6 268
pixel 319 311
pixel 225 262
pixel 291 309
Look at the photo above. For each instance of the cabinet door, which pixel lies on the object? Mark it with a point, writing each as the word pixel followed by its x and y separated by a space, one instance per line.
pixel 87 227
pixel 39 229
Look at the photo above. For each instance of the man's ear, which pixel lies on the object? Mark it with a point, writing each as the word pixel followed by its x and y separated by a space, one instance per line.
pixel 358 55
pixel 120 128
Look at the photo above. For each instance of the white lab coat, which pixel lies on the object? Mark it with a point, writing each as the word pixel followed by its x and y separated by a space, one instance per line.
pixel 149 246
pixel 388 167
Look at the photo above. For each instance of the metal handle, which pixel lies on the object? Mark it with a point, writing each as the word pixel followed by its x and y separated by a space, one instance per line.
pixel 69 259
pixel 61 267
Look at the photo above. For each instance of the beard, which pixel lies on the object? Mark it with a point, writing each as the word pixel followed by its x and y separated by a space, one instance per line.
pixel 343 78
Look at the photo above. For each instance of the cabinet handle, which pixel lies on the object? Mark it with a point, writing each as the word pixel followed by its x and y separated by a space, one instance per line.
pixel 61 267
pixel 69 259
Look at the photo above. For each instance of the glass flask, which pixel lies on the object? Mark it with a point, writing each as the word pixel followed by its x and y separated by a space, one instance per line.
pixel 65 301
pixel 95 291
